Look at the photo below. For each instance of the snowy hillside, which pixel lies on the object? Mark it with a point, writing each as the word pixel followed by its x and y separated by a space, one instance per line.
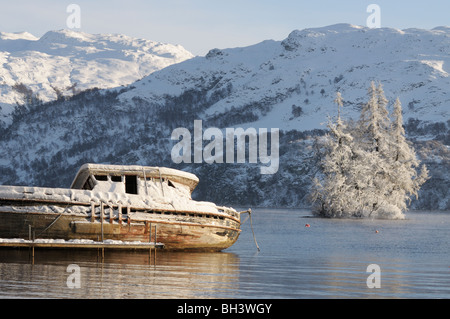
pixel 308 67
pixel 65 62
pixel 287 84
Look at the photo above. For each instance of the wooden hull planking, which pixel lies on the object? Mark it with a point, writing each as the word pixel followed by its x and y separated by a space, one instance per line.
pixel 177 230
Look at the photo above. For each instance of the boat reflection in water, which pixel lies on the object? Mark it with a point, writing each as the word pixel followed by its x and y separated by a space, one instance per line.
pixel 119 274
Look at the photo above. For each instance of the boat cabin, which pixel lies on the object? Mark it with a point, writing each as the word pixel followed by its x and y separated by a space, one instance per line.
pixel 131 179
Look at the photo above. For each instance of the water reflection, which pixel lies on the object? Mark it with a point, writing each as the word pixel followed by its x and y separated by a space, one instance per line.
pixel 119 274
pixel 327 260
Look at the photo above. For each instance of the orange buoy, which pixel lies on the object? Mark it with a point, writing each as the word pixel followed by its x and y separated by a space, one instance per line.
pixel 376 231
pixel 307 225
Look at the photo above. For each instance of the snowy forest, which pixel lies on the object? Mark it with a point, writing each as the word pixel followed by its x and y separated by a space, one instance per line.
pixel 367 168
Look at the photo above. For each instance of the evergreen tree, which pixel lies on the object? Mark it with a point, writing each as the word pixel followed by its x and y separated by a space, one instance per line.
pixel 374 121
pixel 368 169
pixel 373 142
pixel 335 166
pixel 404 176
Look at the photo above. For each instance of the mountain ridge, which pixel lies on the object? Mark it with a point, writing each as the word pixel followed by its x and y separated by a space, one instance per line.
pixel 304 54
pixel 288 84
pixel 65 60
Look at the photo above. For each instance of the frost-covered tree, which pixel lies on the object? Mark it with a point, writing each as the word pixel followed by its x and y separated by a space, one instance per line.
pixel 404 178
pixel 368 169
pixel 374 121
pixel 336 164
pixel 372 135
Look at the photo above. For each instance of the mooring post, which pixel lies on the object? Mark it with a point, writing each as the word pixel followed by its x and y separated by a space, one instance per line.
pixel 150 241
pixel 111 214
pixel 29 238
pixel 101 217
pixel 32 246
pixel 150 235
pixel 154 260
pixel 92 211
pixel 128 217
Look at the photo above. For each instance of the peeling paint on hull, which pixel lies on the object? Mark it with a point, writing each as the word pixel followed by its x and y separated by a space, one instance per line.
pixel 120 202
pixel 193 233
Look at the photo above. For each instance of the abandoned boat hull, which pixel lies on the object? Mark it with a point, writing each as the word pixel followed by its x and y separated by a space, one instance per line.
pixel 119 202
pixel 174 235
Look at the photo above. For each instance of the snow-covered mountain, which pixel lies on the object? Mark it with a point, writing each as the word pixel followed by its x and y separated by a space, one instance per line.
pixel 63 62
pixel 289 84
pixel 307 69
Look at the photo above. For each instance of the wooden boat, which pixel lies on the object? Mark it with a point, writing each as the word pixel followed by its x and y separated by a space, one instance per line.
pixel 126 203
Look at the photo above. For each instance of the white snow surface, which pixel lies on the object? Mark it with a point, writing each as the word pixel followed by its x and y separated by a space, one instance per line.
pixel 63 58
pixel 309 67
pixel 152 195
pixel 74 241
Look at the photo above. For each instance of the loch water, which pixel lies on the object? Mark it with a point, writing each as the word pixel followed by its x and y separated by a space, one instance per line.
pixel 300 256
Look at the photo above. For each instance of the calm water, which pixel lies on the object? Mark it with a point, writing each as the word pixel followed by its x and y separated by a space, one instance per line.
pixel 329 259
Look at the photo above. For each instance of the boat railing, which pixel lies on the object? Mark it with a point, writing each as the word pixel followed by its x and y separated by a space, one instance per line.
pixel 110 212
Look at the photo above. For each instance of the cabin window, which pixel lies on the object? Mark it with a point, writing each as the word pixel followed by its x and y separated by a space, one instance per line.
pixel 116 178
pixel 171 184
pixel 89 184
pixel 101 177
pixel 131 184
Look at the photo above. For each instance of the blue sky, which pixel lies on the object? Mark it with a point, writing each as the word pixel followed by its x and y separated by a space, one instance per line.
pixel 200 25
